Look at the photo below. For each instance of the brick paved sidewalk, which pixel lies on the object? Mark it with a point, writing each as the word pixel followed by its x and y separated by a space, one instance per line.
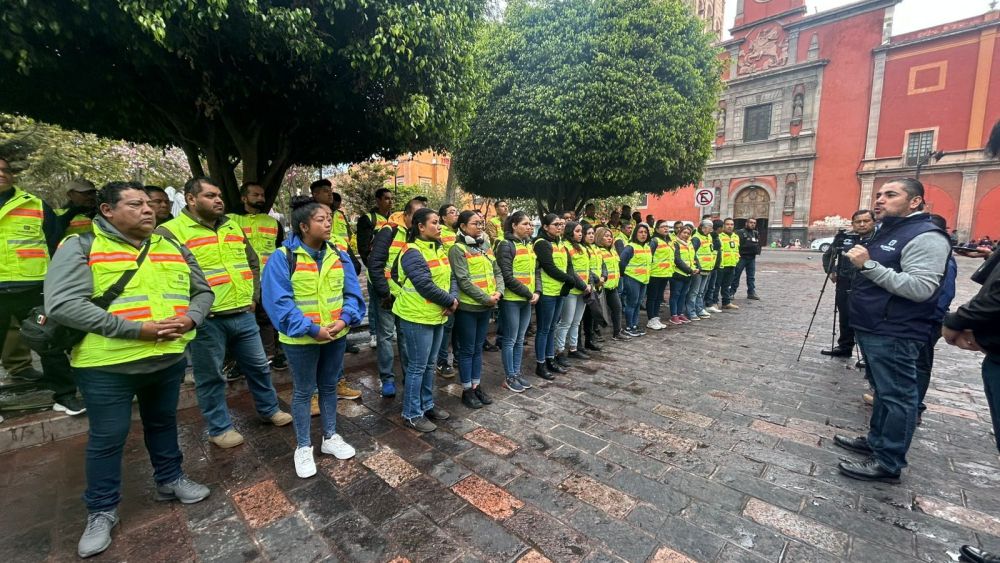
pixel 705 443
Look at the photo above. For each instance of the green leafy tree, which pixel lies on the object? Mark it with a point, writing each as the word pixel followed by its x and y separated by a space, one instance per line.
pixel 585 99
pixel 261 84
pixel 357 187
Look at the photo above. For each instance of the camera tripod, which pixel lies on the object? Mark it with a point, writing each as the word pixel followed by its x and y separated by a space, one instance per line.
pixel 834 260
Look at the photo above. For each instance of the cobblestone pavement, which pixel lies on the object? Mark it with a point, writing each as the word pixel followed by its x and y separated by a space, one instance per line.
pixel 707 443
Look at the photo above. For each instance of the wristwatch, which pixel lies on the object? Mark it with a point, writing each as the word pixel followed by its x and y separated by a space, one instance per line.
pixel 868 265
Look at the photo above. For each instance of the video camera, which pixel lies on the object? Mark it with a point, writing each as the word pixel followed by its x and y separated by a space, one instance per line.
pixel 844 241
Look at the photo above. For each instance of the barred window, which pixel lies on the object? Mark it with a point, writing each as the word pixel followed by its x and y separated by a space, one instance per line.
pixel 918 144
pixel 757 123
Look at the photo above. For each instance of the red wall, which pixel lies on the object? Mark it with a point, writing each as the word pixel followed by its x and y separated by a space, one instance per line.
pixel 753 11
pixel 948 108
pixel 843 115
pixel 678 206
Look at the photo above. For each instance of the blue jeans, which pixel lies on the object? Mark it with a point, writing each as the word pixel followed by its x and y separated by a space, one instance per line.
pixel 372 317
pixel 446 339
pixel 419 391
pixel 678 292
pixel 712 289
pixel 386 335
pixel 470 329
pixel 631 297
pixel 315 367
pixel 696 295
pixel 725 284
pixel 654 296
pixel 516 316
pixel 925 364
pixel 547 310
pixel 991 384
pixel 108 397
pixel 237 334
pixel 892 363
pixel 750 264
pixel 568 326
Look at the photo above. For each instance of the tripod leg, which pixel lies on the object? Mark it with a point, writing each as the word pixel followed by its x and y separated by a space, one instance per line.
pixel 833 329
pixel 822 290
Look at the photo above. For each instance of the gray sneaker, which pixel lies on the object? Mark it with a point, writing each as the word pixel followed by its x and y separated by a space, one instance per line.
pixel 183 489
pixel 97 535
pixel 421 424
pixel 522 381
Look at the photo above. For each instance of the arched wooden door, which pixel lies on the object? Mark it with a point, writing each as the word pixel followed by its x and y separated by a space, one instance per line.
pixel 752 202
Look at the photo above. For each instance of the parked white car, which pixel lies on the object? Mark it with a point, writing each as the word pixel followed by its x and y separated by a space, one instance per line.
pixel 821 244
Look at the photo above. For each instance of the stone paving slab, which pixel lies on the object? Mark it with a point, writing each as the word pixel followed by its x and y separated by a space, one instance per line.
pixel 707 442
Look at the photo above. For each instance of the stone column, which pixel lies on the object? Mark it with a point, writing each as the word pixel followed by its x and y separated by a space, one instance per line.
pixel 967 203
pixel 875 104
pixel 867 186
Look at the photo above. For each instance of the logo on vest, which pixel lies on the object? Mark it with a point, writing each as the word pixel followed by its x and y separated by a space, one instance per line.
pixel 891 247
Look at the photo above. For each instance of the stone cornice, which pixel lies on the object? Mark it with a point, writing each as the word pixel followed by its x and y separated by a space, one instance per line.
pixel 840 13
pixel 776 72
pixel 929 38
pixel 775 17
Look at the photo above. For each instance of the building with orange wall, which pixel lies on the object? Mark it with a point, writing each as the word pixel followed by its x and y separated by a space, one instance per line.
pixel 821 109
pixel 425 168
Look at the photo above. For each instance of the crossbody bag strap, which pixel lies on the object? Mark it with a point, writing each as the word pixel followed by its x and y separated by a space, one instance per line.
pixel 116 290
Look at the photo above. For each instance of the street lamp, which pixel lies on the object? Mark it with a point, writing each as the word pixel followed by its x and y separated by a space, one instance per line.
pixel 926 158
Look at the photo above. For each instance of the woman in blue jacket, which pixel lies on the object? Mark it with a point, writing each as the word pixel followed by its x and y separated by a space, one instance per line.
pixel 310 290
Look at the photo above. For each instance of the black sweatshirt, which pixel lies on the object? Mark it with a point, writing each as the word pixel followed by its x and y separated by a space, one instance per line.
pixel 506 250
pixel 543 251
pixel 982 313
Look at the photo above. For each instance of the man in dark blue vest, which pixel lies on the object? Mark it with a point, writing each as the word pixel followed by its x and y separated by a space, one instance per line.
pixel 893 302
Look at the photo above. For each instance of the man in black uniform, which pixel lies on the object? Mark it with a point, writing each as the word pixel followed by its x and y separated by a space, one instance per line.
pixel 862 225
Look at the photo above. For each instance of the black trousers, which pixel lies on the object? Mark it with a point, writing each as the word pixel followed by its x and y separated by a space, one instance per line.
pixel 846 338
pixel 57 375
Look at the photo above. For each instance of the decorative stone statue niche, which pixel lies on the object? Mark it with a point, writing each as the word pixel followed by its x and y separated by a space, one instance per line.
pixel 791 184
pixel 720 124
pixel 717 205
pixel 798 108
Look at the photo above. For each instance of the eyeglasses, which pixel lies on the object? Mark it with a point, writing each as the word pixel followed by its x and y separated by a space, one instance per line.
pixel 478 224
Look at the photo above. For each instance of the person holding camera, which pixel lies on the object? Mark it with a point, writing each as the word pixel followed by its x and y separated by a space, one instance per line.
pixel 842 272
pixel 892 304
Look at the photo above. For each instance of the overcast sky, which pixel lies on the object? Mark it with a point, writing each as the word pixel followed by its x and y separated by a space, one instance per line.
pixel 910 15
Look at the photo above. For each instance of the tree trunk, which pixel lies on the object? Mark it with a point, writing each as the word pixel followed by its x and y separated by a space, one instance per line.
pixel 451 186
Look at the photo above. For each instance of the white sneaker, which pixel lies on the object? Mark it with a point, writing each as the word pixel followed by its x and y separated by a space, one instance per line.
pixel 373 342
pixel 305 465
pixel 713 309
pixel 654 324
pixel 337 447
pixel 704 314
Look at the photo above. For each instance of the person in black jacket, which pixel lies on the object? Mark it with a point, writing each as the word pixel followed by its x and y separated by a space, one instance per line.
pixel 555 281
pixel 862 226
pixel 749 250
pixel 976 326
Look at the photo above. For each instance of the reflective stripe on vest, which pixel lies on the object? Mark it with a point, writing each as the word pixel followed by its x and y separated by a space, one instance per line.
pixel 730 249
pixel 686 254
pixel 663 260
pixel 24 255
pixel 613 263
pixel 160 289
pixel 222 257
pixel 78 225
pixel 261 230
pixel 642 259
pixel 318 291
pixel 448 237
pixel 523 267
pixel 581 264
pixel 409 304
pixel 398 244
pixel 480 266
pixel 339 225
pixel 706 254
pixel 551 286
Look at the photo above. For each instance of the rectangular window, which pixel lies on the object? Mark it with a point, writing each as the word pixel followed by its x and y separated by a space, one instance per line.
pixel 918 144
pixel 425 182
pixel 757 123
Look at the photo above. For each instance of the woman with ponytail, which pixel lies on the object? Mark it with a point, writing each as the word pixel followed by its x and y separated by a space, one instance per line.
pixel 517 261
pixel 636 259
pixel 661 270
pixel 311 291
pixel 573 305
pixel 480 288
pixel 556 275
pixel 605 239
pixel 428 295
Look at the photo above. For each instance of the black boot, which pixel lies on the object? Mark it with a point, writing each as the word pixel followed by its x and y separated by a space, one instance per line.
pixel 554 367
pixel 540 371
pixel 579 355
pixel 562 361
pixel 482 396
pixel 470 399
pixel 591 346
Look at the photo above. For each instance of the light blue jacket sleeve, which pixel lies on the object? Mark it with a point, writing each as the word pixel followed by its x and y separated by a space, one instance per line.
pixel 279 301
pixel 354 303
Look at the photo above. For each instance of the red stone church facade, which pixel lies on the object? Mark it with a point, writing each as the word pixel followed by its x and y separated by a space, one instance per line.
pixel 819 110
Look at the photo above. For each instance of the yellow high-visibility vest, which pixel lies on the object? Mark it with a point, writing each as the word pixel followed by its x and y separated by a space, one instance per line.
pixel 639 265
pixel 409 304
pixel 318 292
pixel 24 254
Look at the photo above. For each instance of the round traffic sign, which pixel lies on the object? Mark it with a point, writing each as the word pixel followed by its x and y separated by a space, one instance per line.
pixel 704 197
